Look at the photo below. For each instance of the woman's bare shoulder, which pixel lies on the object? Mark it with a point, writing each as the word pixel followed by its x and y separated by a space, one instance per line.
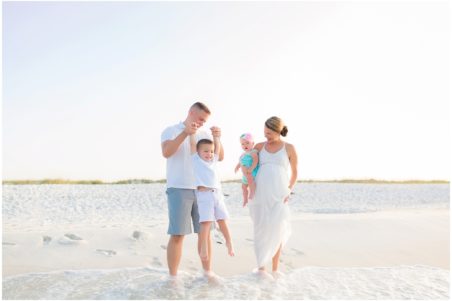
pixel 259 146
pixel 290 147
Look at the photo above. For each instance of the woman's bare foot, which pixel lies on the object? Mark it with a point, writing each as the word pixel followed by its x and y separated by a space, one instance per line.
pixel 277 274
pixel 263 274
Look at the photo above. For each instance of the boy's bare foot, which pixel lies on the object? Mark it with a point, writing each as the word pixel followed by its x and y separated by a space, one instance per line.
pixel 230 248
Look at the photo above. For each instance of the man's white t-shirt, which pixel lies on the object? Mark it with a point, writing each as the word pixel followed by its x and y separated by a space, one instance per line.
pixel 179 167
pixel 206 172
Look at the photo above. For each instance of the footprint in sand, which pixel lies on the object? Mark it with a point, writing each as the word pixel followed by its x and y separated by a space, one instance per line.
pixel 218 237
pixel 106 252
pixel 156 262
pixel 137 234
pixel 71 239
pixel 297 252
pixel 46 239
pixel 73 236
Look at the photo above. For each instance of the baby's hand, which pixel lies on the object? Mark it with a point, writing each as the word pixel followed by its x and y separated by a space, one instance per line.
pixel 236 169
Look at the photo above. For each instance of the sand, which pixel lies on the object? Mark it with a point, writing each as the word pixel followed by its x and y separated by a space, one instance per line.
pixel 380 239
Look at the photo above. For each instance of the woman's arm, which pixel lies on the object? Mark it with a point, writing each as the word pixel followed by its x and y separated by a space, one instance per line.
pixel 293 159
pixel 255 161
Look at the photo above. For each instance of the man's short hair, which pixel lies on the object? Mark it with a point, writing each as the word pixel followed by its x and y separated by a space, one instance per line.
pixel 202 142
pixel 200 106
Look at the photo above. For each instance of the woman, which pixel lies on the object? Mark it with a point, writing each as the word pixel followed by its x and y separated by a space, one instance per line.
pixel 269 210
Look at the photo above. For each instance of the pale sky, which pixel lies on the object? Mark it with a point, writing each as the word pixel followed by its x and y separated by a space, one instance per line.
pixel 363 87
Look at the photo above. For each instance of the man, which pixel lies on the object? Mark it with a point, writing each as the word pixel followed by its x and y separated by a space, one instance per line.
pixel 182 206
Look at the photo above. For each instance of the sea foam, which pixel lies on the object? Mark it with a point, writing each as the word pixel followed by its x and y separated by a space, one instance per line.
pixel 402 282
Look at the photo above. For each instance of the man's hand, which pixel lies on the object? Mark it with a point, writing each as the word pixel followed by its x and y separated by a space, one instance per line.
pixel 191 129
pixel 216 131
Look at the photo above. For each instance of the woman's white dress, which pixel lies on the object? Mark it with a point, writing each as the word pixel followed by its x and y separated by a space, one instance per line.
pixel 270 215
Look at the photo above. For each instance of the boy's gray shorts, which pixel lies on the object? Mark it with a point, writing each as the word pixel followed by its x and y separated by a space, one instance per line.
pixel 182 211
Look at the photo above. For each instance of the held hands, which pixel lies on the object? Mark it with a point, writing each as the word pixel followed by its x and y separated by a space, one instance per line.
pixel 216 132
pixel 191 129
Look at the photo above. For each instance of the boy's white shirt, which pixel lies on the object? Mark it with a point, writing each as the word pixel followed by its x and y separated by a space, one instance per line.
pixel 206 172
pixel 179 167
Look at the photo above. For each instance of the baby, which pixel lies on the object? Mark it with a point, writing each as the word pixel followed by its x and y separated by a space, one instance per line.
pixel 249 164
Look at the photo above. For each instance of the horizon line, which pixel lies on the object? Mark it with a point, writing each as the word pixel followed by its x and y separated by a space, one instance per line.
pixel 151 181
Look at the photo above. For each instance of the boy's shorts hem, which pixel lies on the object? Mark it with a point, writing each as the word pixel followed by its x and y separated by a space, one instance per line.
pixel 211 206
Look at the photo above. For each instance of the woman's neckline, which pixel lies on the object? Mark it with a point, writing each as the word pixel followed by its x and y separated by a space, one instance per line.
pixel 265 148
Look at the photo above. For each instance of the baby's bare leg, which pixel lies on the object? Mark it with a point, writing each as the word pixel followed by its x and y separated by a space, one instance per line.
pixel 225 230
pixel 245 194
pixel 252 185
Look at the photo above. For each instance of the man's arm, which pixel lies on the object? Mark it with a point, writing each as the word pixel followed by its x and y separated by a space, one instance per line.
pixel 169 147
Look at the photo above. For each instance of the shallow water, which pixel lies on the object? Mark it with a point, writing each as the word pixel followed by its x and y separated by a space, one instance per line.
pixel 416 282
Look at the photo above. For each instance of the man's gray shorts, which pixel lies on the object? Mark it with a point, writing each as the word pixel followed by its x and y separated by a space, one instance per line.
pixel 182 211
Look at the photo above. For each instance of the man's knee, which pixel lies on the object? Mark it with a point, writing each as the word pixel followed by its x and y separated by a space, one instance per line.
pixel 177 239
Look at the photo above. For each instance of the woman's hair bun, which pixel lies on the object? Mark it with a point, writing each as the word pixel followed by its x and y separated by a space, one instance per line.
pixel 284 131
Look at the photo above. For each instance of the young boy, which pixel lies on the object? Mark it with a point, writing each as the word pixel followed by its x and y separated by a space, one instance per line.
pixel 211 206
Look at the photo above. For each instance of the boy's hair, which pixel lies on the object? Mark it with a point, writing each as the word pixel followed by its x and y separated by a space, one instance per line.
pixel 200 106
pixel 203 141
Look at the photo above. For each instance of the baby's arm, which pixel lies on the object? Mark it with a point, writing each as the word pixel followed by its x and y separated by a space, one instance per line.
pixel 192 144
pixel 237 167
